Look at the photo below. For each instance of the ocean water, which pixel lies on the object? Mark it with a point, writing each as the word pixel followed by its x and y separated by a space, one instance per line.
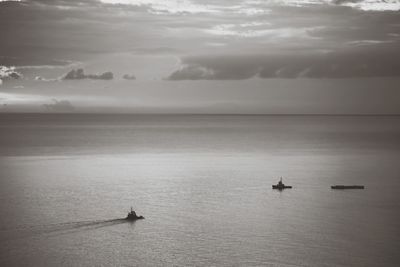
pixel 203 184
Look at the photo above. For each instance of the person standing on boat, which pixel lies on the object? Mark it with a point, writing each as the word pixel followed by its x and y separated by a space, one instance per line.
pixel 133 213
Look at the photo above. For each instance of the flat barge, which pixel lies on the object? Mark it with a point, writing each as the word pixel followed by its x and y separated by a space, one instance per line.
pixel 347 187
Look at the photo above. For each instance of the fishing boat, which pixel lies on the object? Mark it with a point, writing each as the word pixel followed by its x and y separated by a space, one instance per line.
pixel 280 186
pixel 132 216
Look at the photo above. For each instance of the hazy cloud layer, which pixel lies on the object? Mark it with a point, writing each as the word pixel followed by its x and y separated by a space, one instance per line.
pixel 79 74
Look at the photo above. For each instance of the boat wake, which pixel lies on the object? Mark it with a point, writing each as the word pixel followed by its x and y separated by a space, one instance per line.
pixel 82 225
pixel 57 228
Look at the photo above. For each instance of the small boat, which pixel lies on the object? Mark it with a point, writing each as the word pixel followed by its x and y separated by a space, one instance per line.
pixel 280 186
pixel 347 187
pixel 132 216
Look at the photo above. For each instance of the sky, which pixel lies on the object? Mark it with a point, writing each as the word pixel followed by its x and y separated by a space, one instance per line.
pixel 200 56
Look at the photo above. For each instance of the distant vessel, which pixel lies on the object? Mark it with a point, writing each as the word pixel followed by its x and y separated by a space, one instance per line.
pixel 281 186
pixel 347 187
pixel 132 216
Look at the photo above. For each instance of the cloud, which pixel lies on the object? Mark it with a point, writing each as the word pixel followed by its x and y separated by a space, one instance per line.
pixel 344 64
pixel 365 5
pixel 82 30
pixel 23 61
pixel 59 106
pixel 209 69
pixel 79 74
pixel 56 64
pixel 42 79
pixel 259 29
pixel 7 73
pixel 248 7
pixel 168 6
pixel 129 77
pixel 371 5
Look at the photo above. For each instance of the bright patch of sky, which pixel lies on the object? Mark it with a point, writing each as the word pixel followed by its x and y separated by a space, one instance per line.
pixel 14 98
pixel 370 5
pixel 258 29
pixel 368 42
pixel 367 5
pixel 168 6
pixel 251 7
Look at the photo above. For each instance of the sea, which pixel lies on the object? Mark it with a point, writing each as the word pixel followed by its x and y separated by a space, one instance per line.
pixel 203 184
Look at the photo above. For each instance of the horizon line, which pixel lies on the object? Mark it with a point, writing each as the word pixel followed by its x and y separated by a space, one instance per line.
pixel 201 114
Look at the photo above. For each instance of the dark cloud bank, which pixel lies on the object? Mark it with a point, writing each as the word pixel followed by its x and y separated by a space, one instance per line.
pixel 129 77
pixel 346 64
pixel 80 75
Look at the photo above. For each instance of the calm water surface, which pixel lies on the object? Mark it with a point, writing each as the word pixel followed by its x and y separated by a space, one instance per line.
pixel 204 185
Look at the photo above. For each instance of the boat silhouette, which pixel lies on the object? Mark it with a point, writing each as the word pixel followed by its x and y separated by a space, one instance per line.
pixel 347 187
pixel 132 216
pixel 280 186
